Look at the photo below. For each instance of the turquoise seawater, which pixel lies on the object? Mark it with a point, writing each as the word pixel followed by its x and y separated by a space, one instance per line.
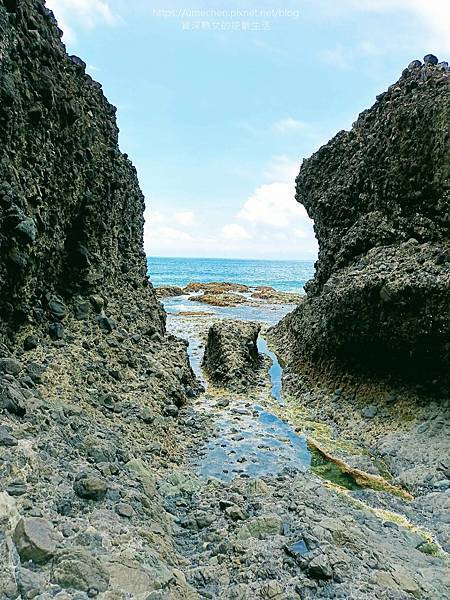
pixel 283 275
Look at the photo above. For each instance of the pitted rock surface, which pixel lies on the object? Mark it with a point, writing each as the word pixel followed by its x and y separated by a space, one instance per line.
pixel 71 210
pixel 231 355
pixel 379 196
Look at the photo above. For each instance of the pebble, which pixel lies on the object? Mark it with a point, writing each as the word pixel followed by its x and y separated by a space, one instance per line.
pixel 124 510
pixel 369 412
pixel 91 488
pixel 30 342
pixel 6 439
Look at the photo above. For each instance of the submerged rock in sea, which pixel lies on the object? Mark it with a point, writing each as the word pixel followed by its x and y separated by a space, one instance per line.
pixel 168 291
pixel 379 197
pixel 231 354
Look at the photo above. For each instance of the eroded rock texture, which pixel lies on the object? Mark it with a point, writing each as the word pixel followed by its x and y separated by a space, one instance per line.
pixel 71 211
pixel 379 197
pixel 231 354
pixel 89 381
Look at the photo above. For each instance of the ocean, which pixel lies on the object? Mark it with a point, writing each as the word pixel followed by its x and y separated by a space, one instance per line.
pixel 283 275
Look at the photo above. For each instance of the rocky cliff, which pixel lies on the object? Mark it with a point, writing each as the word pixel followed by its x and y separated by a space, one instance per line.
pixel 71 220
pixel 90 383
pixel 379 196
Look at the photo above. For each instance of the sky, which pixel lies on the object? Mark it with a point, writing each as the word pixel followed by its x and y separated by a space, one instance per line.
pixel 219 102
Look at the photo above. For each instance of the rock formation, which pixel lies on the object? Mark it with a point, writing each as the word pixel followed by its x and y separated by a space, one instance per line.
pixel 71 220
pixel 379 196
pixel 89 380
pixel 231 354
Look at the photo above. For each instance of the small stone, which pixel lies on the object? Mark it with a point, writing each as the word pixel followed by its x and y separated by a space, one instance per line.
pixel 260 527
pixel 82 308
pixel 106 323
pixel 57 308
pixel 35 370
pixel 271 590
pixel 56 331
pixel 319 568
pixel 78 61
pixel 369 412
pixel 80 570
pixel 30 342
pixel 204 519
pixel 10 366
pixel 171 410
pixel 34 540
pixel 12 399
pixel 97 302
pixel 16 488
pixel 30 584
pixel 147 415
pixel 91 488
pixel 27 230
pixel 430 59
pixel 415 64
pixel 124 510
pixel 235 513
pixel 6 439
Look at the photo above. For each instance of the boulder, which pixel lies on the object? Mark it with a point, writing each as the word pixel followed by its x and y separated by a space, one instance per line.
pixel 34 538
pixel 231 355
pixel 168 291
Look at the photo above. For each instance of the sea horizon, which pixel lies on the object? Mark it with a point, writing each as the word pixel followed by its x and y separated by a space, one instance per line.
pixel 282 274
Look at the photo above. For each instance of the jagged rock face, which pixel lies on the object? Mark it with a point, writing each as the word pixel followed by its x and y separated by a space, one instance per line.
pixel 71 211
pixel 379 197
pixel 231 354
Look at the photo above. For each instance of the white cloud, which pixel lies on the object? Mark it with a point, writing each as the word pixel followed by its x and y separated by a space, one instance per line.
pixel 289 125
pixel 336 57
pixel 433 15
pixel 154 217
pixel 343 58
pixel 83 13
pixel 171 233
pixel 185 218
pixel 282 168
pixel 233 231
pixel 273 205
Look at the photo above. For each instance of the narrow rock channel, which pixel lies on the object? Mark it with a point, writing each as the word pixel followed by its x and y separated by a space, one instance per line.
pixel 261 514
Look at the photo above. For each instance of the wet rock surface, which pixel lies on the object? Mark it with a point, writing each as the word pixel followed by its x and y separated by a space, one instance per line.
pixel 287 532
pixel 379 197
pixel 231 354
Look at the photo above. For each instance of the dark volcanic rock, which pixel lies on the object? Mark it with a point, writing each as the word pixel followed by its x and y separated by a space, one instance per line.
pixel 71 211
pixel 379 197
pixel 231 354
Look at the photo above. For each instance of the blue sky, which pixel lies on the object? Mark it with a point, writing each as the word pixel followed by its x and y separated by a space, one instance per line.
pixel 218 108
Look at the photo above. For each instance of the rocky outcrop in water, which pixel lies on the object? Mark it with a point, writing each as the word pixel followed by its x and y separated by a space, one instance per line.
pixel 379 196
pixel 231 354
